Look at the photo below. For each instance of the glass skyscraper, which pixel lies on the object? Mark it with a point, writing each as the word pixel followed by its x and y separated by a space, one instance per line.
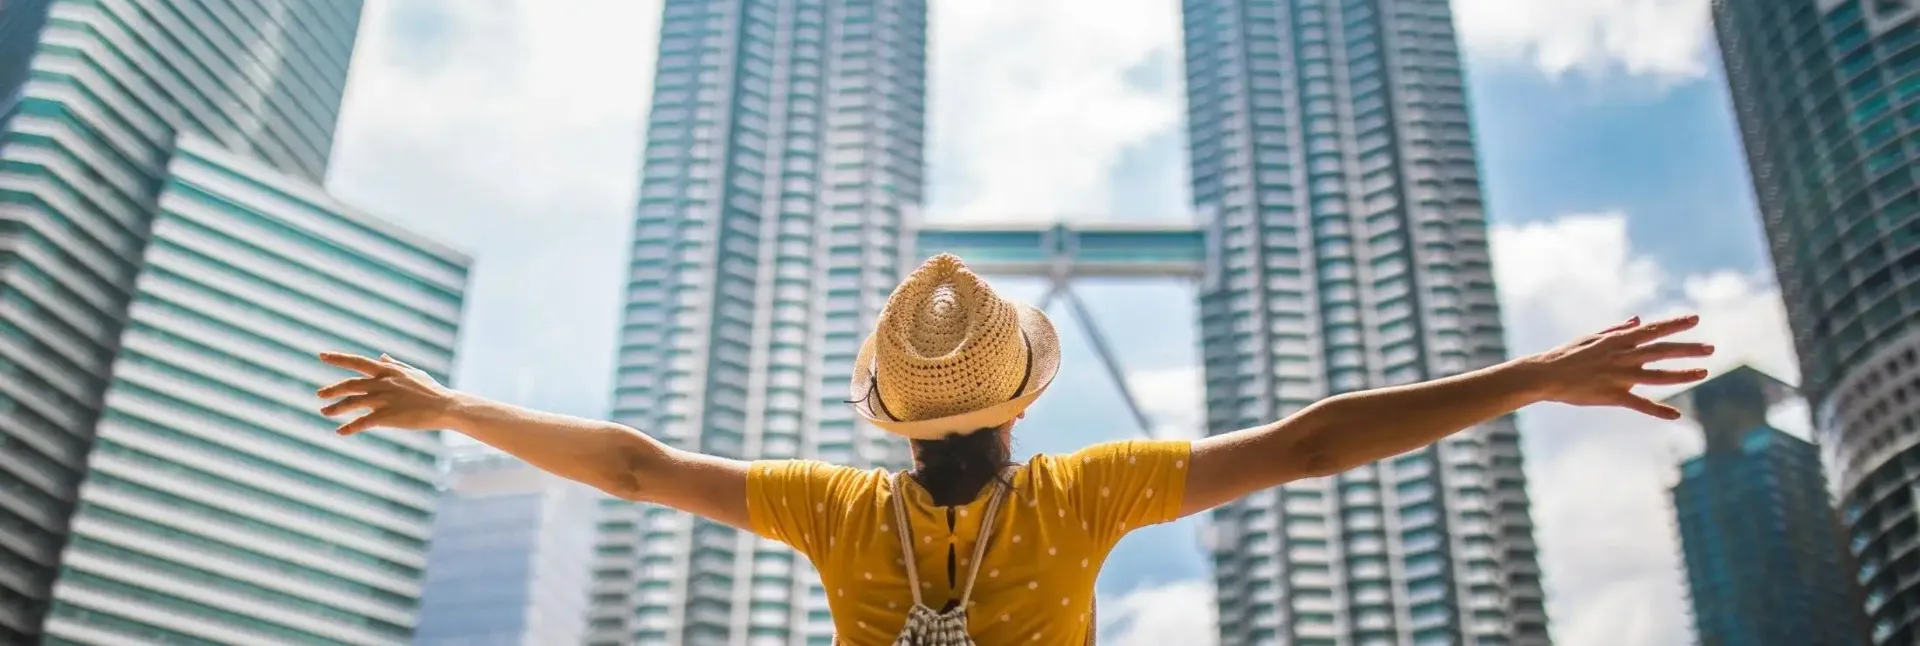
pixel 1334 166
pixel 783 165
pixel 1766 558
pixel 1827 94
pixel 94 96
pixel 218 506
pixel 511 556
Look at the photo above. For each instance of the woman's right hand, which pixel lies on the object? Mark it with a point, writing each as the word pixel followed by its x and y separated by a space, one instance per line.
pixel 1603 368
pixel 394 394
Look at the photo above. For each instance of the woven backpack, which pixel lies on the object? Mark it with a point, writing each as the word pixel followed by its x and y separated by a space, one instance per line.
pixel 929 627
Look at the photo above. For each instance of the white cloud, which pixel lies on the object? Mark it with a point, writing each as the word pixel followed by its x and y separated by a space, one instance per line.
pixel 1172 398
pixel 1174 613
pixel 513 130
pixel 1656 38
pixel 1032 104
pixel 1600 477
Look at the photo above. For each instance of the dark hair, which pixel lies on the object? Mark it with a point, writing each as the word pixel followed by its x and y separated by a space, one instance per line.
pixel 955 468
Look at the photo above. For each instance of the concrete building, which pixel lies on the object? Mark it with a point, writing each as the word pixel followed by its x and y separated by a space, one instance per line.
pixel 93 97
pixel 1333 164
pixel 511 556
pixel 1824 95
pixel 218 506
pixel 783 165
pixel 1767 562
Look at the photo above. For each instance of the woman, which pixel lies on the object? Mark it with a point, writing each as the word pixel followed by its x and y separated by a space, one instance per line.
pixel 998 552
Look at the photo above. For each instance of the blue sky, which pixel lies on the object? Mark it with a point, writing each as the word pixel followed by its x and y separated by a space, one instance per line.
pixel 1616 184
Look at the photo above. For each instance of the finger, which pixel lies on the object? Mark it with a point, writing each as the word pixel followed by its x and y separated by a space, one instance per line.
pixel 1664 328
pixel 361 423
pixel 1628 325
pixel 345 387
pixel 350 404
pixel 389 359
pixel 1664 350
pixel 1654 377
pixel 355 363
pixel 1649 407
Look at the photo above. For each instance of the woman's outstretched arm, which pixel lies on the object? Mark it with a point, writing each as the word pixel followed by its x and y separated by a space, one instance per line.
pixel 1347 431
pixel 612 458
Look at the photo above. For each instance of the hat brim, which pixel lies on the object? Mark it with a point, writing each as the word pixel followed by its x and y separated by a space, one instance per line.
pixel 1043 345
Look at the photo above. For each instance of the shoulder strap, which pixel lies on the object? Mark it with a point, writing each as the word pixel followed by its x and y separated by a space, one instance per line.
pixel 899 496
pixel 979 545
pixel 979 549
pixel 986 531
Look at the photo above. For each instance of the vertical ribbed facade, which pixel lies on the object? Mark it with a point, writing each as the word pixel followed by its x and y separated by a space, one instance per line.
pixel 1765 554
pixel 1333 163
pixel 783 164
pixel 218 506
pixel 512 552
pixel 1827 95
pixel 96 101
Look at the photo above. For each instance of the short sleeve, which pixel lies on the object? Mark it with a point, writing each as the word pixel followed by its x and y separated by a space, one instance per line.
pixel 801 502
pixel 1122 486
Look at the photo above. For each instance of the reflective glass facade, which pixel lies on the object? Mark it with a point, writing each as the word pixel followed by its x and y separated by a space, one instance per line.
pixel 97 93
pixel 1333 162
pixel 1827 93
pixel 218 507
pixel 783 163
pixel 512 549
pixel 1766 557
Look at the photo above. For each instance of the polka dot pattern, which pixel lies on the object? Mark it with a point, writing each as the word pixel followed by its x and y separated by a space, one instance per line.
pixel 1035 575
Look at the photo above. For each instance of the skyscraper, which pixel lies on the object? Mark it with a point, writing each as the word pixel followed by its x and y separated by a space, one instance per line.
pixel 1824 94
pixel 1766 558
pixel 511 556
pixel 783 161
pixel 95 96
pixel 218 506
pixel 1334 166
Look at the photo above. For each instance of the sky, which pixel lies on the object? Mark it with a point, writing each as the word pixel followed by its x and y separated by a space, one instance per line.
pixel 1615 180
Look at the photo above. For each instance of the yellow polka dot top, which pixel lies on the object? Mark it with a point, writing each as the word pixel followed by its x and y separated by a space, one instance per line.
pixel 1035 584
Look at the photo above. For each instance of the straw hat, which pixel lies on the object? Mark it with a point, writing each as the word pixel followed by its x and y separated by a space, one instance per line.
pixel 948 355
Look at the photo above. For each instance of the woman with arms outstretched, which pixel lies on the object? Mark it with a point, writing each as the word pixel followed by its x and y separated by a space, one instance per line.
pixel 967 546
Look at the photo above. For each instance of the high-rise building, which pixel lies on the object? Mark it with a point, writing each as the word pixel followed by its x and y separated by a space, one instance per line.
pixel 511 556
pixel 1333 164
pixel 783 163
pixel 1767 562
pixel 219 507
pixel 93 97
pixel 1823 91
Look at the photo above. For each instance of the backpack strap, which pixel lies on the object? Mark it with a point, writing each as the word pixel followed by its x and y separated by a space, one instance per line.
pixel 906 538
pixel 986 531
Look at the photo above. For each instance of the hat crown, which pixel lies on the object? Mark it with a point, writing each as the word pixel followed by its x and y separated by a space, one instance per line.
pixel 947 345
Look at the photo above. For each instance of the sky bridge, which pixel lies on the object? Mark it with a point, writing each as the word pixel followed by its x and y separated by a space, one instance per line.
pixel 1064 252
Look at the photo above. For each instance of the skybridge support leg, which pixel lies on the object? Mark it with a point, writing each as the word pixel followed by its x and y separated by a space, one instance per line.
pixel 1108 359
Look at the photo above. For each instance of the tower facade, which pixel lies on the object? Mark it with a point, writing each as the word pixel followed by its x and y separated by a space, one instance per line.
pixel 512 549
pixel 1767 562
pixel 1333 163
pixel 218 505
pixel 1823 91
pixel 783 166
pixel 93 99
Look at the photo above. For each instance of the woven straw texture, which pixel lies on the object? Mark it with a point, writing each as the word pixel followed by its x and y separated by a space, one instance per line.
pixel 949 355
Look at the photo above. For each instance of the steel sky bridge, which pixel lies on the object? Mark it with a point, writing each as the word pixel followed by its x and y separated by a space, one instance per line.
pixel 1062 252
